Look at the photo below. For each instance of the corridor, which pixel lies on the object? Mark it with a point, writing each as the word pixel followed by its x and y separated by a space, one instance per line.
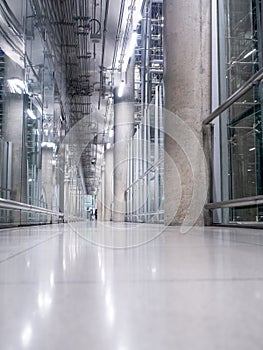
pixel 105 286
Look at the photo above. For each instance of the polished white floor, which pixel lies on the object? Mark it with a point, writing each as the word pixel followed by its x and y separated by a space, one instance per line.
pixel 130 287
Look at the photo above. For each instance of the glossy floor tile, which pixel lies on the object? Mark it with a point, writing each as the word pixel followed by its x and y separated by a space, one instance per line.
pixel 90 285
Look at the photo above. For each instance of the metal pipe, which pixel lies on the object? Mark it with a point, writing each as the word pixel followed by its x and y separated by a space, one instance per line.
pixel 118 35
pixel 151 169
pixel 236 95
pixel 11 19
pixel 240 202
pixel 156 146
pixel 147 214
pixel 156 70
pixel 10 204
pixel 103 49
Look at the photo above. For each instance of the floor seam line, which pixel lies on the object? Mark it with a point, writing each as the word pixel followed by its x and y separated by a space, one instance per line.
pixel 27 249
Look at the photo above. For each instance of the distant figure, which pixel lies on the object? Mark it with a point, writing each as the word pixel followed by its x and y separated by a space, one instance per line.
pixel 91 217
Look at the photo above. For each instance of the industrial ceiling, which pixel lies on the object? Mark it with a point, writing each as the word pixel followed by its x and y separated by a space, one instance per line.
pixel 86 41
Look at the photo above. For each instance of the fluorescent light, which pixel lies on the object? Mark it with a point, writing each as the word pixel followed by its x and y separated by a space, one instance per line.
pixel 250 53
pixel 121 89
pixel 137 16
pixel 31 114
pixel 111 133
pixel 252 149
pixel 132 44
pixel 129 51
pixel 16 86
pixel 48 144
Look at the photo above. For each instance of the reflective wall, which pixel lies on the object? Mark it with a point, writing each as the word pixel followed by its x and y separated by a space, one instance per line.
pixel 238 168
pixel 32 123
pixel 145 194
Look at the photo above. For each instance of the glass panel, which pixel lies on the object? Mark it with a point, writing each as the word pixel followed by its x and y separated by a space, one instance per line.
pixel 145 193
pixel 34 111
pixel 240 126
pixel 242 154
pixel 29 128
pixel 240 43
pixel 145 196
pixel 245 216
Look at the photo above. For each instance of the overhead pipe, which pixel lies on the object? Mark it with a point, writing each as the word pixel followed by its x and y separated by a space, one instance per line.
pixel 10 18
pixel 103 49
pixel 117 40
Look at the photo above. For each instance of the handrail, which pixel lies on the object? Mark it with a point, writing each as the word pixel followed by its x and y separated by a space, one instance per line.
pixel 152 168
pixel 145 214
pixel 233 98
pixel 240 202
pixel 10 204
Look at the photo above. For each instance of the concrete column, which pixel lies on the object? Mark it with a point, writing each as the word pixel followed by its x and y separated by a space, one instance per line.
pixel 108 182
pixel 123 130
pixel 187 82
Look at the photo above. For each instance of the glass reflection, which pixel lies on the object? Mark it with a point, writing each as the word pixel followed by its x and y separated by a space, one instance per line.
pixel 240 126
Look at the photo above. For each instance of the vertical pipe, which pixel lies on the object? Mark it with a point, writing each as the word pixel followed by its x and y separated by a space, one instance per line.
pixel 137 175
pixel 149 161
pixel 156 148
pixel 141 173
pixel 224 152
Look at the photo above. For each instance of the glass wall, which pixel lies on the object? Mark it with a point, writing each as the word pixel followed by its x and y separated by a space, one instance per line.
pixel 32 123
pixel 145 195
pixel 240 126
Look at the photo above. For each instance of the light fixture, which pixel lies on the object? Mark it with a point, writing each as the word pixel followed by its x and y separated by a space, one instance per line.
pixel 129 51
pixel 250 53
pixel 137 15
pixel 48 144
pixel 132 44
pixel 31 114
pixel 121 88
pixel 16 86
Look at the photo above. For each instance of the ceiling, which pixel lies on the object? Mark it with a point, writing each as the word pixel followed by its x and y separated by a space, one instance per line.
pixel 82 36
pixel 86 41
